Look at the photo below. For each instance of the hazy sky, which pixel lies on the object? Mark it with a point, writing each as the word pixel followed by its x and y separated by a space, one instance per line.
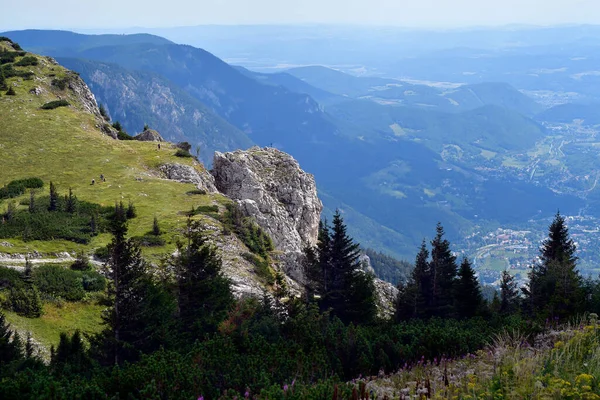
pixel 71 14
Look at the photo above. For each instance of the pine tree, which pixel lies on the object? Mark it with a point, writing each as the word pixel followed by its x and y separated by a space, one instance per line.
pixel 204 293
pixel 10 350
pixel 414 296
pixel 29 347
pixel 53 198
pixel 348 288
pixel 443 270
pixel 70 202
pixel 2 80
pixel 155 227
pixel 11 91
pixel 93 225
pixel 467 295
pixel 509 294
pixel 11 210
pixel 140 310
pixel 32 201
pixel 555 286
pixel 131 212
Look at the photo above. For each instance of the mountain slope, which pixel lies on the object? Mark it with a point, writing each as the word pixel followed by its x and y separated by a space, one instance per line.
pixel 338 82
pixel 68 43
pixel 135 98
pixel 473 96
pixel 489 127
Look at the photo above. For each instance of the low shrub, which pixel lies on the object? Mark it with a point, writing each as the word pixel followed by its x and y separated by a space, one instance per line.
pixel 9 72
pixel 196 191
pixel 55 104
pixel 27 61
pixel 59 282
pixel 182 153
pixel 203 210
pixel 10 278
pixel 93 281
pixel 17 187
pixel 262 268
pixel 61 83
pixel 150 240
pixel 26 302
pixel 122 135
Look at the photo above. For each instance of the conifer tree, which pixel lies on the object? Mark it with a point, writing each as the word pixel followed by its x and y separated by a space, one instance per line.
pixel 348 289
pixel 2 80
pixel 555 286
pixel 70 202
pixel 414 296
pixel 10 350
pixel 140 311
pixel 53 198
pixel 204 293
pixel 156 227
pixel 509 294
pixel 32 201
pixel 443 270
pixel 467 293
pixel 131 212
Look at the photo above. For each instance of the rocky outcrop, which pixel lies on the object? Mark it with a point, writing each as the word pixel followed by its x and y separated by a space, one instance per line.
pixel 386 298
pixel 149 135
pixel 188 174
pixel 269 186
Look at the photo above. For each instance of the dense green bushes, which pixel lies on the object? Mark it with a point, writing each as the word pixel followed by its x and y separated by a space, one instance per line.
pixel 68 219
pixel 17 187
pixel 49 280
pixel 10 72
pixel 253 236
pixel 27 61
pixel 55 104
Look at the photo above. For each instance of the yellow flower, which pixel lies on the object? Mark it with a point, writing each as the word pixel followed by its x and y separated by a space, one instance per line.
pixel 584 380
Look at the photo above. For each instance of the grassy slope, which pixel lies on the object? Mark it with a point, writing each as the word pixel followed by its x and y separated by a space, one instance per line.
pixel 64 146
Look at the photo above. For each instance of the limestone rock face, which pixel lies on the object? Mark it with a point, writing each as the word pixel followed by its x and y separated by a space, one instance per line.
pixel 149 135
pixel 386 298
pixel 269 186
pixel 188 174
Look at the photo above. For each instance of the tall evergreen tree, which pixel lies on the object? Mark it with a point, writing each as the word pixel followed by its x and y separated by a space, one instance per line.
pixel 414 296
pixel 204 293
pixel 10 349
pixel 32 201
pixel 156 227
pixel 138 318
pixel 467 293
pixel 70 202
pixel 443 270
pixel 53 198
pixel 509 294
pixel 555 286
pixel 348 289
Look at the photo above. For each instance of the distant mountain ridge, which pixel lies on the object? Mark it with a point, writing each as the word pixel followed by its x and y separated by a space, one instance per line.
pixel 394 169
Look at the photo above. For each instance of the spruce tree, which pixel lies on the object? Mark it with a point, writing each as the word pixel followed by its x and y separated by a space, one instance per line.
pixel 131 211
pixel 509 294
pixel 140 311
pixel 555 286
pixel 10 350
pixel 414 296
pixel 204 293
pixel 70 202
pixel 32 201
pixel 443 270
pixel 467 293
pixel 349 290
pixel 2 79
pixel 53 206
pixel 155 227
